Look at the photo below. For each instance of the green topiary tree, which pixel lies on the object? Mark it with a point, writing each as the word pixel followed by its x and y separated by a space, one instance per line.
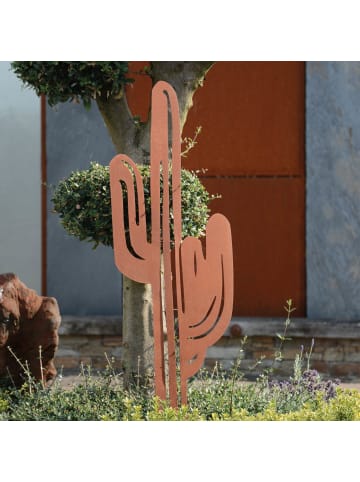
pixel 104 82
pixel 84 206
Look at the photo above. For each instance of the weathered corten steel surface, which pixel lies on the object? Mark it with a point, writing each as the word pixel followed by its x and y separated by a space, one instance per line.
pixel 268 229
pixel 252 118
pixel 204 281
pixel 29 325
pixel 138 94
pixel 252 144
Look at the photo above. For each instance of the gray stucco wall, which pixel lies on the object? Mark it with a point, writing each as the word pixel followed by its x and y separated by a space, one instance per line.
pixel 20 180
pixel 333 190
pixel 84 281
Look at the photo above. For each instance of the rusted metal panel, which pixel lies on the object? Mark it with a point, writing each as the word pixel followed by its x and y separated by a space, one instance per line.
pixel 204 278
pixel 138 93
pixel 252 116
pixel 268 230
pixel 44 207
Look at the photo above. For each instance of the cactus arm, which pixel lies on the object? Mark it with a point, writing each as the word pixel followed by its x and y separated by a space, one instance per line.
pixel 207 295
pixel 135 257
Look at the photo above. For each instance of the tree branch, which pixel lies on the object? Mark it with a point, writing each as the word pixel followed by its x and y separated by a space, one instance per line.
pixel 134 139
pixel 119 122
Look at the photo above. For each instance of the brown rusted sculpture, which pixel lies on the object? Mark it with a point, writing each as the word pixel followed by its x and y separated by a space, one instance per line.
pixel 204 281
pixel 29 327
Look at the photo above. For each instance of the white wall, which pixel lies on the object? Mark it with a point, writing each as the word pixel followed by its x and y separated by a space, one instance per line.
pixel 20 180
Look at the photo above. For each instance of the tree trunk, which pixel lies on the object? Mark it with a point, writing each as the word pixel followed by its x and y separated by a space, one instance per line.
pixel 133 140
pixel 137 332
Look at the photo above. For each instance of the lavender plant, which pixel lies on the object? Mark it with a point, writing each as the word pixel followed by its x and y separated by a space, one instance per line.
pixel 213 395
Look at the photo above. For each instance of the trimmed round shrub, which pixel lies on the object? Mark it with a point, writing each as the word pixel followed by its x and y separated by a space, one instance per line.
pixel 64 81
pixel 84 205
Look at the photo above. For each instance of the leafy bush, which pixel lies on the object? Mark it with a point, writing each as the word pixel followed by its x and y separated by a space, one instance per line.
pixel 212 396
pixel 63 81
pixel 104 399
pixel 344 407
pixel 216 395
pixel 84 204
pixel 293 393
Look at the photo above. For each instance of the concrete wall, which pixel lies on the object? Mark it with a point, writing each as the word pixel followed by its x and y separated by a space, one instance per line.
pixel 20 180
pixel 333 190
pixel 84 281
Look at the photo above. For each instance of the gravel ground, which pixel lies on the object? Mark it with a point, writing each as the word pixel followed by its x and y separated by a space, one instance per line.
pixel 71 378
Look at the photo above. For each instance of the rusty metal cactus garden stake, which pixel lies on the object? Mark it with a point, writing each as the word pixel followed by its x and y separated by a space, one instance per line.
pixel 203 291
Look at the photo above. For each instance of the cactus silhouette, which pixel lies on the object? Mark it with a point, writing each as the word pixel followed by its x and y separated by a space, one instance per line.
pixel 204 282
pixel 205 291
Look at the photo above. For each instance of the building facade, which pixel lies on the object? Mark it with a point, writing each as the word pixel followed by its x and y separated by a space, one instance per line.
pixel 280 143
